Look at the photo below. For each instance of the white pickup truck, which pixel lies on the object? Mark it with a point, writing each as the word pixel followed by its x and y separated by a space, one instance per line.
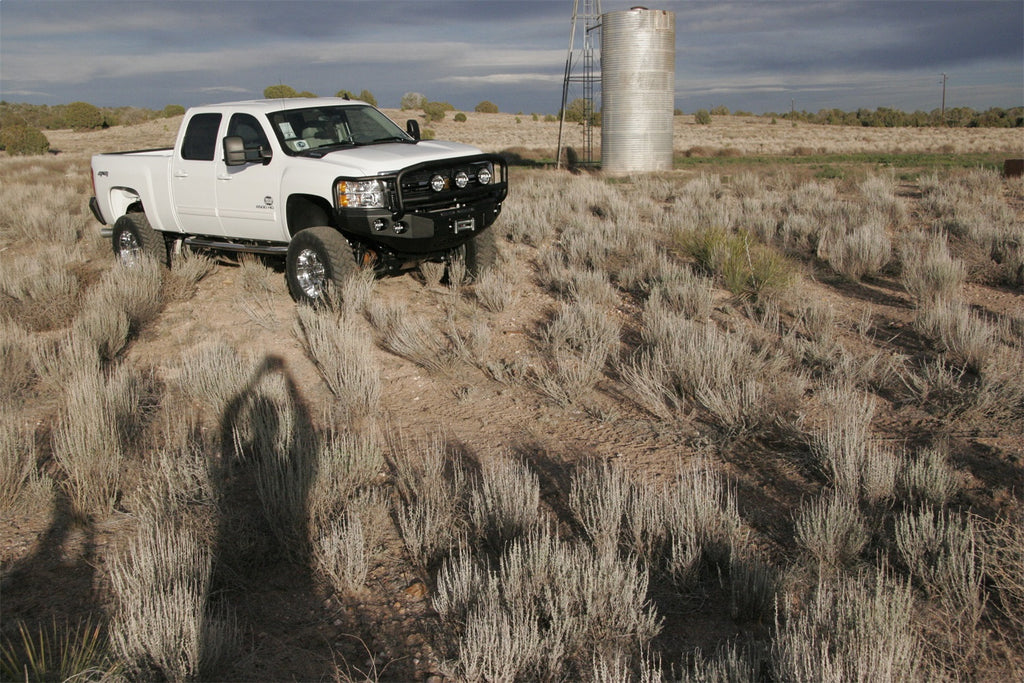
pixel 329 184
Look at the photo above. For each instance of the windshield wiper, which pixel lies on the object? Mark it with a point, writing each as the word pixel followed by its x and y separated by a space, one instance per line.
pixel 320 151
pixel 392 138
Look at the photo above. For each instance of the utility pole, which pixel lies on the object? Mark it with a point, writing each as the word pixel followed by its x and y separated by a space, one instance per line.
pixel 943 115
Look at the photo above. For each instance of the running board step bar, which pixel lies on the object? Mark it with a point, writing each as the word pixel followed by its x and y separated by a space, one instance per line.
pixel 268 249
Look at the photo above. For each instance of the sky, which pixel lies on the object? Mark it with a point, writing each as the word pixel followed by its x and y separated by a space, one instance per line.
pixel 759 56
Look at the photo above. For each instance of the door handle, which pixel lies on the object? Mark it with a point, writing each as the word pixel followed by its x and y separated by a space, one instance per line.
pixel 223 176
pixel 181 174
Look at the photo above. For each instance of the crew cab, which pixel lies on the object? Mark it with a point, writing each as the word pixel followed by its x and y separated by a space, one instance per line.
pixel 329 184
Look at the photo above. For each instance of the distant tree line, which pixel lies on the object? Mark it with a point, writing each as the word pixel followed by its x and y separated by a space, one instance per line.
pixel 884 117
pixel 79 115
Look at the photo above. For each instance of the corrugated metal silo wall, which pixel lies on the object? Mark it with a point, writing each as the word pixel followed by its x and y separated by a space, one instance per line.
pixel 638 56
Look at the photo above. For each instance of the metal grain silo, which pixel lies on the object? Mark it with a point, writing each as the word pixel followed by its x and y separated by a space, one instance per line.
pixel 638 56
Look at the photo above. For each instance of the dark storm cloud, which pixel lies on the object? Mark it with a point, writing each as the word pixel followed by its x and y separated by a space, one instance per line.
pixel 750 54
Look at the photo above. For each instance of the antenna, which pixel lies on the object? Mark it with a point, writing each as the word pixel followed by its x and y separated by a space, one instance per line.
pixel 591 21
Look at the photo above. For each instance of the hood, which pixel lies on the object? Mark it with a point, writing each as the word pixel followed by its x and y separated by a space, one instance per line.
pixel 386 158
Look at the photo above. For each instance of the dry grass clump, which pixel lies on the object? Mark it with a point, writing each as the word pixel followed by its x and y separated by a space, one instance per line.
pixel 844 451
pixel 213 374
pixel 966 339
pixel 579 342
pixel 930 273
pixel 704 523
pixel 91 438
pixel 187 270
pixel 496 289
pixel 124 301
pixel 22 486
pixel 683 362
pixel 929 478
pixel 504 501
pixel 17 351
pixel 1004 564
pixel 945 555
pixel 272 433
pixel 863 250
pixel 410 336
pixel 509 624
pixel 343 353
pixel 856 628
pixel 163 622
pixel 432 488
pixel 343 552
pixel 41 201
pixel 832 530
pixel 40 292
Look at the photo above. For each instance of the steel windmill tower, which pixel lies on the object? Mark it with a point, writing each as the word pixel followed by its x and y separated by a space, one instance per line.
pixel 580 73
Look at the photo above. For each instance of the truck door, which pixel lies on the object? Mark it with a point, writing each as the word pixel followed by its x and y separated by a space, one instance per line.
pixel 193 171
pixel 247 194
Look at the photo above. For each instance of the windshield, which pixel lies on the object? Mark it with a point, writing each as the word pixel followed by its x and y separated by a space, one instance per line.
pixel 306 130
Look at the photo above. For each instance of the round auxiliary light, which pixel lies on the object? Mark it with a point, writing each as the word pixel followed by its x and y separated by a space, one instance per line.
pixel 484 176
pixel 437 183
pixel 461 179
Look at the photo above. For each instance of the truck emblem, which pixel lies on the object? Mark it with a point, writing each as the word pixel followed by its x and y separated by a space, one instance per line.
pixel 268 200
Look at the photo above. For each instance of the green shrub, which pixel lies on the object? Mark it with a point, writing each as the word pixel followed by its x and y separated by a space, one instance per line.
pixel 367 96
pixel 702 117
pixel 460 117
pixel 173 110
pixel 434 111
pixel 23 141
pixel 83 116
pixel 486 107
pixel 746 267
pixel 279 92
pixel 428 134
pixel 720 110
pixel 413 100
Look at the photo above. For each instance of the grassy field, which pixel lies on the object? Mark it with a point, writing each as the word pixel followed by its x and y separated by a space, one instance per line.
pixel 757 418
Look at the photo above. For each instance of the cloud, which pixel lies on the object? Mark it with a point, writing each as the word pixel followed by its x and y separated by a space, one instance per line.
pixel 503 79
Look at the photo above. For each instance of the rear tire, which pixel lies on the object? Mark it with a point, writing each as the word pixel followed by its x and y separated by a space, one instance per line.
pixel 319 261
pixel 134 239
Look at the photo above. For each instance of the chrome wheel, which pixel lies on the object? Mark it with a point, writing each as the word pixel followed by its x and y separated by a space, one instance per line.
pixel 310 274
pixel 128 248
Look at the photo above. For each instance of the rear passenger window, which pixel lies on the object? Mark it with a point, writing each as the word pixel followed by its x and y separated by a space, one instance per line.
pixel 200 143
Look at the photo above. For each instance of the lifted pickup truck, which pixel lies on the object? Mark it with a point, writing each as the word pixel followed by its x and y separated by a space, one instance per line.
pixel 329 184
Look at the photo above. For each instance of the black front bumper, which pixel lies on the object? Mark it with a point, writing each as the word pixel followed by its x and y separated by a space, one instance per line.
pixel 420 224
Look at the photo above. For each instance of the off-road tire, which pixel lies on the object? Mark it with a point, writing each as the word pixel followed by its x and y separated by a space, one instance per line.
pixel 133 239
pixel 319 261
pixel 480 253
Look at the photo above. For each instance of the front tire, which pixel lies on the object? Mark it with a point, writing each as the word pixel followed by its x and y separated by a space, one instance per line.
pixel 319 261
pixel 479 253
pixel 134 239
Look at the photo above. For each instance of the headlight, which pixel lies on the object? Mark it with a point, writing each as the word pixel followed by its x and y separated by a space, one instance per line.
pixel 461 179
pixel 360 194
pixel 437 183
pixel 483 176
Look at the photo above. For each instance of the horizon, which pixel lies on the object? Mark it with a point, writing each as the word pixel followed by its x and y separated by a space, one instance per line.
pixel 758 57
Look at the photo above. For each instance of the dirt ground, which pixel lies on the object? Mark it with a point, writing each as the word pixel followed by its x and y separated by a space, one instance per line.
pixel 297 628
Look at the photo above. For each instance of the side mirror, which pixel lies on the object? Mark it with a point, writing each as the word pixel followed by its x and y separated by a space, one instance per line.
pixel 234 151
pixel 412 127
